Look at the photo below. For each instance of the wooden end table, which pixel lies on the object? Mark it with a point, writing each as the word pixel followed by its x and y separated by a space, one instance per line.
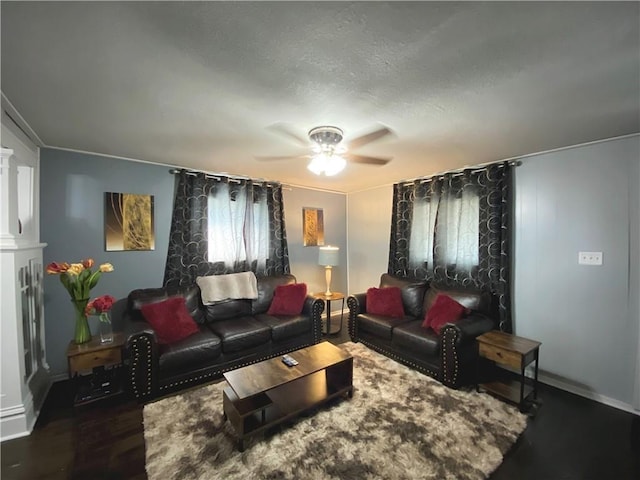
pixel 328 299
pixel 92 357
pixel 509 350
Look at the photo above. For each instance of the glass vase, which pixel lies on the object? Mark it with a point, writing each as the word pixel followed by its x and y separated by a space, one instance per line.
pixel 82 332
pixel 105 328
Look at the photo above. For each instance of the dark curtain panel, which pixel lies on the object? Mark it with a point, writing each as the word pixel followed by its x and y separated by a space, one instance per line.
pixel 454 230
pixel 217 227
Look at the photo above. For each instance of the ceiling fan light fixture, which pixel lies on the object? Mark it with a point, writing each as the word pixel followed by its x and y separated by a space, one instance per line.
pixel 326 135
pixel 327 153
pixel 316 165
pixel 328 164
pixel 334 165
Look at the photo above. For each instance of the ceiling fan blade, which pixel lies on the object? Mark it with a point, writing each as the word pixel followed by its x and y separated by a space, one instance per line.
pixel 368 138
pixel 289 131
pixel 281 157
pixel 352 157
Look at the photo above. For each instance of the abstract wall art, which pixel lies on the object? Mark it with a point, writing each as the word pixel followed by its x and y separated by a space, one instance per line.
pixel 312 227
pixel 128 222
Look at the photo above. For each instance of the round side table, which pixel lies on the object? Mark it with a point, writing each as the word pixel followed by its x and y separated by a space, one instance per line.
pixel 328 299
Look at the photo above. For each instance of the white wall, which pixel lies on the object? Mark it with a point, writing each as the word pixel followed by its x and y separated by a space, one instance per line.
pixel 586 317
pixel 368 230
pixel 304 260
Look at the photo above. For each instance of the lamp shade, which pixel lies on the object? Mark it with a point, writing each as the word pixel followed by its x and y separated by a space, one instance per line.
pixel 328 256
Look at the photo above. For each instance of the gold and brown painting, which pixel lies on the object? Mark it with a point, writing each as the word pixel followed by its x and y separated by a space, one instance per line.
pixel 128 222
pixel 312 227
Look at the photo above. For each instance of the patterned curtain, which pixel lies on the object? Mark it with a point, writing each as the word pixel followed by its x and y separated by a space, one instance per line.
pixel 238 240
pixel 454 230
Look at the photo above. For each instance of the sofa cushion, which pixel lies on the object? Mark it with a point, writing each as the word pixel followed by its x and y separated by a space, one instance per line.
pixel 200 348
pixel 444 310
pixel 385 301
pixel 266 288
pixel 227 309
pixel 412 336
pixel 241 333
pixel 288 299
pixel 412 292
pixel 283 327
pixel 170 320
pixel 380 325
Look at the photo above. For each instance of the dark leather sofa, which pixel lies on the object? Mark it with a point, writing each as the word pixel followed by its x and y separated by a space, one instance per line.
pixel 451 356
pixel 232 333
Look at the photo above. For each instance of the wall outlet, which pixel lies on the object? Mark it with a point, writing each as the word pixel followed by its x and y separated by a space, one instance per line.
pixel 590 258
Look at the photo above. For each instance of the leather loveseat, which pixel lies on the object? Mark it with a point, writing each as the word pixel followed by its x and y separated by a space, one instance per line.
pixel 231 334
pixel 451 356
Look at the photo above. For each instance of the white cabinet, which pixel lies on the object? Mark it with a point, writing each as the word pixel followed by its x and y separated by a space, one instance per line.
pixel 25 377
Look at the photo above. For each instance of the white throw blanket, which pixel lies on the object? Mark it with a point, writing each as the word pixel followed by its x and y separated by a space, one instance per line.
pixel 215 288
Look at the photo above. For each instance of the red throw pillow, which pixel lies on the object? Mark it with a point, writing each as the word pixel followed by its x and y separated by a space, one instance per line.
pixel 444 310
pixel 170 319
pixel 385 301
pixel 288 299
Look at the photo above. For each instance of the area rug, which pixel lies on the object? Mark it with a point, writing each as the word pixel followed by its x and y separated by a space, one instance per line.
pixel 400 424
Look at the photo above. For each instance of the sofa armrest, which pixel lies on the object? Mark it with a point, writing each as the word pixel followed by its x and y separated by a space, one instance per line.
pixel 468 328
pixel 314 307
pixel 135 328
pixel 357 304
pixel 142 351
pixel 459 352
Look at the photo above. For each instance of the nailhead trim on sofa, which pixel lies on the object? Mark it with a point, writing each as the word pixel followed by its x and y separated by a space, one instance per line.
pixel 449 350
pixel 234 367
pixel 404 361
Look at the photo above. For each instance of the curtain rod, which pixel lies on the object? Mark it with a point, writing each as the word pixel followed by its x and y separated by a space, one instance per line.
pixel 219 176
pixel 460 171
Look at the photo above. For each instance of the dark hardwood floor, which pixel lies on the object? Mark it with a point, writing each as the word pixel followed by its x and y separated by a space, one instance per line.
pixel 569 438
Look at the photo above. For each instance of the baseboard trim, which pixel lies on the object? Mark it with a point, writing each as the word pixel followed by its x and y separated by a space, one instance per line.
pixel 13 436
pixel 596 397
pixel 18 421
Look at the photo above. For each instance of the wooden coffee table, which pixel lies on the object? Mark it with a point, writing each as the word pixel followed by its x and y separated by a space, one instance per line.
pixel 265 394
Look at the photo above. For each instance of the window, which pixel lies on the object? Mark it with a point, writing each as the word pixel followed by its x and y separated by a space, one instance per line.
pixel 238 226
pixel 445 230
pixel 457 232
pixel 422 231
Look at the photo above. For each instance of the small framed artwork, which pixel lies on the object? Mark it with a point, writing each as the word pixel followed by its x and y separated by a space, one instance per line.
pixel 312 227
pixel 128 222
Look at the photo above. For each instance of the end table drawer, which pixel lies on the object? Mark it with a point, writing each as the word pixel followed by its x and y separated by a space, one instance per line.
pixel 505 357
pixel 89 360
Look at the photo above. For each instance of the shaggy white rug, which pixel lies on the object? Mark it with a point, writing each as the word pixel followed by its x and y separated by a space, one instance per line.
pixel 399 424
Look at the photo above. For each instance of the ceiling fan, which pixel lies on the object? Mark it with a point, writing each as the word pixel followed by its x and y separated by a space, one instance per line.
pixel 328 154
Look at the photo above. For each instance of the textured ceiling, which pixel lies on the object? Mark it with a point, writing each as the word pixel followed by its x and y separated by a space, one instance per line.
pixel 198 84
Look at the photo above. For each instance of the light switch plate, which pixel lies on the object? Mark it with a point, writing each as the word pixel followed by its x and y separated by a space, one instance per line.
pixel 590 258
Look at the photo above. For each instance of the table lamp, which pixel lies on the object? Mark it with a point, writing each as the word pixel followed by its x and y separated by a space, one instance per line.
pixel 328 257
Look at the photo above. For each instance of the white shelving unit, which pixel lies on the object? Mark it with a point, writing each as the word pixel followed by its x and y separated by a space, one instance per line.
pixel 25 373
